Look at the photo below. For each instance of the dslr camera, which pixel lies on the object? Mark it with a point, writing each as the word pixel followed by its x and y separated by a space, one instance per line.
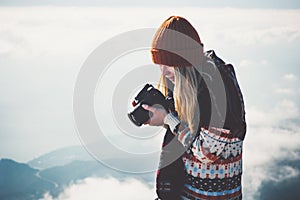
pixel 150 96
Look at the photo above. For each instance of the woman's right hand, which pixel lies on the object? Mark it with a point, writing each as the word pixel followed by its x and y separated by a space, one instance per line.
pixel 158 116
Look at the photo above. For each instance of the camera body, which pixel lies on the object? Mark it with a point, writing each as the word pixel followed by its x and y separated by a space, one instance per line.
pixel 151 96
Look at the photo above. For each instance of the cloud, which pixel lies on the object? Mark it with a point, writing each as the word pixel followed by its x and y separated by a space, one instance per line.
pixel 287 87
pixel 272 136
pixel 273 35
pixel 290 77
pixel 105 188
pixel 61 30
pixel 251 64
pixel 285 91
pixel 253 27
pixel 283 181
pixel 42 48
pixel 285 172
pixel 284 110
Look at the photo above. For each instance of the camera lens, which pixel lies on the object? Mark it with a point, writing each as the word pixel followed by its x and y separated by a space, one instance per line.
pixel 139 116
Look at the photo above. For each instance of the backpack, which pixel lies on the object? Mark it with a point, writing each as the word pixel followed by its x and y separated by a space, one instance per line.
pixel 235 113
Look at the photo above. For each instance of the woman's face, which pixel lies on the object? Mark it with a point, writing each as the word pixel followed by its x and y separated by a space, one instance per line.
pixel 168 72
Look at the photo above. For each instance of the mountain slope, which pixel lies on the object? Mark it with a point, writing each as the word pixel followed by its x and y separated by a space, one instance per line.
pixel 60 157
pixel 19 181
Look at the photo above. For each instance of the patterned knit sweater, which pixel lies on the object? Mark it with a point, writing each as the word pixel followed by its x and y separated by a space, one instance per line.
pixel 213 164
pixel 213 156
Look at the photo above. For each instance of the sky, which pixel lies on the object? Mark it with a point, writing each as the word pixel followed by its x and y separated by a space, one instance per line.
pixel 44 45
pixel 278 4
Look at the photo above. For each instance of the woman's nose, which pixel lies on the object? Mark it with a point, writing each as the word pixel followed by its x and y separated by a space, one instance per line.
pixel 164 70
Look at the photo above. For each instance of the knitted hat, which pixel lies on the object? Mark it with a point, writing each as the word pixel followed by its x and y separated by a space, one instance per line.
pixel 177 43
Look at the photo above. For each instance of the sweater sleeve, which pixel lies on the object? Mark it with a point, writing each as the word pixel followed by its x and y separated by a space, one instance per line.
pixel 208 145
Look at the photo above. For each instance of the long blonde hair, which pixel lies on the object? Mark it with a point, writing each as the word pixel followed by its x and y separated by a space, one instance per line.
pixel 185 92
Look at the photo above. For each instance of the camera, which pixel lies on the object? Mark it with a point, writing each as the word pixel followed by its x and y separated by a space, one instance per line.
pixel 151 96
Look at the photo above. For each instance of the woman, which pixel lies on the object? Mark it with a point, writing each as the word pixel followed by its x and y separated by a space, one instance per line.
pixel 212 156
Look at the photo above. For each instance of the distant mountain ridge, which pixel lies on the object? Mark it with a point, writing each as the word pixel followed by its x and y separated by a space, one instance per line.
pixel 60 157
pixel 67 155
pixel 19 181
pixel 52 172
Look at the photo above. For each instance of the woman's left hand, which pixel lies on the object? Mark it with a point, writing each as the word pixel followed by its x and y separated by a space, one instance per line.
pixel 158 116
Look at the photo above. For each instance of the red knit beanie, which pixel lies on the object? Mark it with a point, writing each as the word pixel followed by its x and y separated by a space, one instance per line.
pixel 177 43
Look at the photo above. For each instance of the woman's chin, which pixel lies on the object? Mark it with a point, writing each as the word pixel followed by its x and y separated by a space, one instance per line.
pixel 172 80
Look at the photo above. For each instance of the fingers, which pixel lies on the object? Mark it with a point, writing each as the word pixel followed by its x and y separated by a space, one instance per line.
pixel 147 107
pixel 157 117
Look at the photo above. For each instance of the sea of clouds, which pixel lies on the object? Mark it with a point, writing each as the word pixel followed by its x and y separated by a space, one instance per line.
pixel 42 49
